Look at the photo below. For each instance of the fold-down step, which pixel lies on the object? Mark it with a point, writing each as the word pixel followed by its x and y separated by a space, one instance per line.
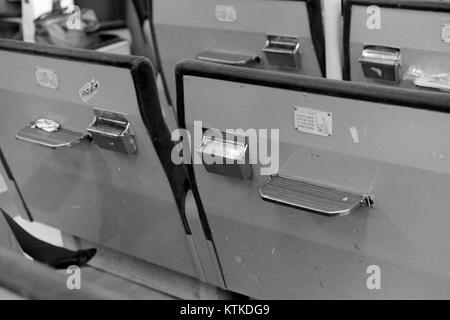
pixel 312 197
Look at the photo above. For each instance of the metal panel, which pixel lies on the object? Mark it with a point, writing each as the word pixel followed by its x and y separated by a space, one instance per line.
pixel 116 200
pixel 411 27
pixel 186 28
pixel 400 158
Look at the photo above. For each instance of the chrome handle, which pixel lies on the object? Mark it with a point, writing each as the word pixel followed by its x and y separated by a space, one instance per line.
pixel 381 63
pixel 225 154
pixel 227 58
pixel 283 51
pixel 319 199
pixel 49 134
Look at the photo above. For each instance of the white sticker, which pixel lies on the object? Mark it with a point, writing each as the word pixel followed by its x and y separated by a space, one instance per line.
pixel 3 187
pixel 89 90
pixel 313 121
pixel 46 78
pixel 226 13
pixel 446 33
pixel 354 134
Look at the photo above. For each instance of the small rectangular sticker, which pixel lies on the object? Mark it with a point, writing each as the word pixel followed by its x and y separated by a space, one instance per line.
pixel 46 78
pixel 226 13
pixel 89 90
pixel 312 121
pixel 445 35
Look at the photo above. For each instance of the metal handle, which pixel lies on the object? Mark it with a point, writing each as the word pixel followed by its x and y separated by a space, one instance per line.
pixel 49 134
pixel 227 58
pixel 283 51
pixel 319 199
pixel 225 154
pixel 381 63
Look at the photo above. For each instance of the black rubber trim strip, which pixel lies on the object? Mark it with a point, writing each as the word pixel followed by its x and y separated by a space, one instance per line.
pixel 430 5
pixel 425 5
pixel 151 112
pixel 317 32
pixel 89 56
pixel 157 53
pixel 141 10
pixel 316 29
pixel 347 16
pixel 11 177
pixel 426 100
pixel 147 95
pixel 111 25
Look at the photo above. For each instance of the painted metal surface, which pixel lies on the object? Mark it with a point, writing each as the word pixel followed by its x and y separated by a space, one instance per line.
pixel 332 28
pixel 7 239
pixel 400 158
pixel 417 33
pixel 115 200
pixel 186 28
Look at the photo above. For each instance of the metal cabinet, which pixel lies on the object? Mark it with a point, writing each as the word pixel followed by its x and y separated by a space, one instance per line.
pixel 358 184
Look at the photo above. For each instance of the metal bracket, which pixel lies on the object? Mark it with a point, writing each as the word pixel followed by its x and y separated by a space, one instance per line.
pixel 381 63
pixel 226 154
pixel 112 131
pixel 283 51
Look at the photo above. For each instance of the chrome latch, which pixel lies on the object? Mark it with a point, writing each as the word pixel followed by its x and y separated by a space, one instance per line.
pixel 225 154
pixel 283 51
pixel 112 131
pixel 381 63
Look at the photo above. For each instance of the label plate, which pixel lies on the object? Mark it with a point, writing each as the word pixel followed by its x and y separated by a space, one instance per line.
pixel 225 13
pixel 46 78
pixel 312 121
pixel 445 35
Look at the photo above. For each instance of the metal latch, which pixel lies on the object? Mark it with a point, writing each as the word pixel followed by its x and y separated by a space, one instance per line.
pixel 112 131
pixel 225 154
pixel 283 51
pixel 381 63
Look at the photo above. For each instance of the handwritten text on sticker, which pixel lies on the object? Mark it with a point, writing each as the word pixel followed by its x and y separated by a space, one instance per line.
pixel 89 90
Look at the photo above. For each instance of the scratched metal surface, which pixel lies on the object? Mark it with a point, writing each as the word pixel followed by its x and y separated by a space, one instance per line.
pixel 184 28
pixel 271 251
pixel 117 201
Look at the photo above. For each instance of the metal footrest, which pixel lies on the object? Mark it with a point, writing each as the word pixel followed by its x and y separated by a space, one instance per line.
pixel 311 197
